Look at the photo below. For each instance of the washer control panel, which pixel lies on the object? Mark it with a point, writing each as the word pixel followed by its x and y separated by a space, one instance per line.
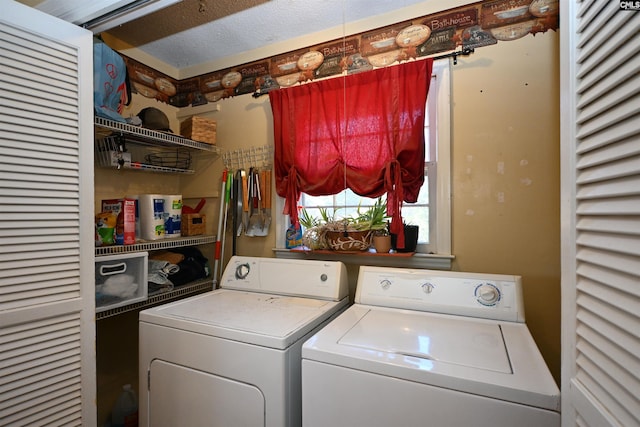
pixel 490 296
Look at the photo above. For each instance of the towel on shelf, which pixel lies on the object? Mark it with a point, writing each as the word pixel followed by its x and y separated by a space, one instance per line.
pixel 169 256
pixel 158 275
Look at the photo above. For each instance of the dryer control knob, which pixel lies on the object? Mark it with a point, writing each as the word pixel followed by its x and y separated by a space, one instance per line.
pixel 242 271
pixel 385 283
pixel 487 294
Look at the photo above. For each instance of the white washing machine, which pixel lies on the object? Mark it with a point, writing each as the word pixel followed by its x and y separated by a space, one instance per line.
pixel 231 357
pixel 428 348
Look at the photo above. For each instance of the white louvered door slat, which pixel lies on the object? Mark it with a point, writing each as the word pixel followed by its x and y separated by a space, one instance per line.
pixel 611 225
pixel 47 309
pixel 600 67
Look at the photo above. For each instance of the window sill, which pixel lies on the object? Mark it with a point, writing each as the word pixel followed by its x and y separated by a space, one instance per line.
pixel 416 260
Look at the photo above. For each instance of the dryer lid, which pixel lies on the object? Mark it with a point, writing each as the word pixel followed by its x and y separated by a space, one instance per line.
pixel 451 340
pixel 265 319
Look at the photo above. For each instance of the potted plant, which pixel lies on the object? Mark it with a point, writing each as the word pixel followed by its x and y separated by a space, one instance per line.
pixel 381 241
pixel 344 234
pixel 410 238
pixel 376 217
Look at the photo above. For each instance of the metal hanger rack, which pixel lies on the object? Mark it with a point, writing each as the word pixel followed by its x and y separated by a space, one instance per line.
pixel 261 157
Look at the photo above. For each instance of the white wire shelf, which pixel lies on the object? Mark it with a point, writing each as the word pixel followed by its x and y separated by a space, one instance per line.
pixel 169 243
pixel 160 297
pixel 141 135
pixel 152 168
pixel 193 288
pixel 118 146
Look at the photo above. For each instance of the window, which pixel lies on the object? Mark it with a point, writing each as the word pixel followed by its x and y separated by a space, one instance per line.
pixel 432 210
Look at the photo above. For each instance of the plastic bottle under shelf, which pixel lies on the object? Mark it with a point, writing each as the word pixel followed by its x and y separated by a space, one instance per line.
pixel 125 411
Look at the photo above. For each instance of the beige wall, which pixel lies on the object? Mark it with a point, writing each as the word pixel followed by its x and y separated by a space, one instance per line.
pixel 506 174
pixel 244 122
pixel 505 169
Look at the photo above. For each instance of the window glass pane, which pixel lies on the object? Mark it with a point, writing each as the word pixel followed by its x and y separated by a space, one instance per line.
pixel 317 200
pixel 313 212
pixel 427 133
pixel 346 205
pixel 348 198
pixel 417 215
pixel 423 196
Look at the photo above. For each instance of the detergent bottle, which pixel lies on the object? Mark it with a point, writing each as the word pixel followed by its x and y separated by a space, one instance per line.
pixel 125 411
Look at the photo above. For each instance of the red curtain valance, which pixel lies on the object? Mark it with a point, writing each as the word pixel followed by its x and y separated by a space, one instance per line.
pixel 364 131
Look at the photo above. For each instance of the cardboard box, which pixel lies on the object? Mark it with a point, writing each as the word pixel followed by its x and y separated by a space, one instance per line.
pixel 125 210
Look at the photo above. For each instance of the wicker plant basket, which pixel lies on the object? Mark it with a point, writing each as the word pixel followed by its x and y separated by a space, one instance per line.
pixel 350 241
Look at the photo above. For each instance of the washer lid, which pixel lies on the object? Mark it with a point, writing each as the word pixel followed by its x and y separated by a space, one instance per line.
pixel 480 356
pixel 257 318
pixel 448 340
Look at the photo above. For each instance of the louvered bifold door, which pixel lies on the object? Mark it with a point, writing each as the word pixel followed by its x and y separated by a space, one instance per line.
pixel 47 327
pixel 601 285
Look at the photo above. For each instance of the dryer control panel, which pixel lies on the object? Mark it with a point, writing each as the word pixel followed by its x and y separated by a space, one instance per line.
pixel 304 278
pixel 489 296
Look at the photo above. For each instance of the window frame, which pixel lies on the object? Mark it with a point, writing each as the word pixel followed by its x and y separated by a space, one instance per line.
pixel 440 204
pixel 440 231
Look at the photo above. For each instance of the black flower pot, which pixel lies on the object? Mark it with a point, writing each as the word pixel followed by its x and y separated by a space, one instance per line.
pixel 410 239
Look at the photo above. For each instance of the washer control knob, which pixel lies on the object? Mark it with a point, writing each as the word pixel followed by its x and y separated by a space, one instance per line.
pixel 487 294
pixel 385 283
pixel 323 277
pixel 427 287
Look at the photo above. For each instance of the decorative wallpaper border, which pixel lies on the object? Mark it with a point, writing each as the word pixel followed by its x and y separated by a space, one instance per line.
pixel 479 24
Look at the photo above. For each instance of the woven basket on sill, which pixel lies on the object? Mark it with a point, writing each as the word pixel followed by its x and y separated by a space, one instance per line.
pixel 350 241
pixel 178 159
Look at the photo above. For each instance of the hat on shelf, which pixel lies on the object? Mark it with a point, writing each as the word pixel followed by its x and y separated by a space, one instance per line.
pixel 154 119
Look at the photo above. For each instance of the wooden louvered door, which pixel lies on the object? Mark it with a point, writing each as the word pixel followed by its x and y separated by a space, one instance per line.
pixel 47 308
pixel 600 77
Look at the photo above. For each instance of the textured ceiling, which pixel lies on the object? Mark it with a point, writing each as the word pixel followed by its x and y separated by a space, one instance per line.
pixel 188 33
pixel 196 32
pixel 194 36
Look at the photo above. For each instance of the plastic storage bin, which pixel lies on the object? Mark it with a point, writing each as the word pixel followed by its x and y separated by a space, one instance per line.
pixel 121 280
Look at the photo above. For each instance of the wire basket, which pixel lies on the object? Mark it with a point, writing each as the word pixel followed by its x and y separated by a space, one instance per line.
pixel 178 159
pixel 110 152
